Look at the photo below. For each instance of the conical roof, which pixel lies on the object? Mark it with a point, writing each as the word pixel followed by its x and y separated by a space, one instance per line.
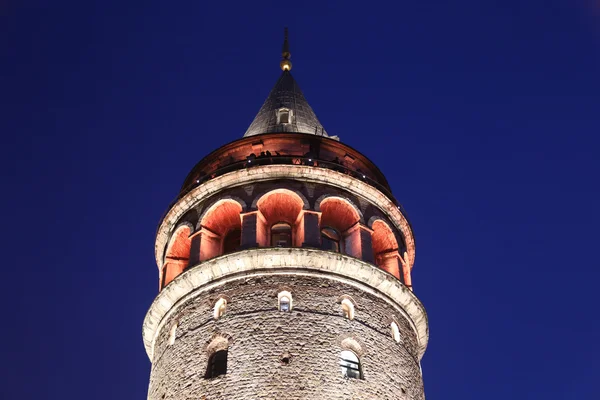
pixel 286 95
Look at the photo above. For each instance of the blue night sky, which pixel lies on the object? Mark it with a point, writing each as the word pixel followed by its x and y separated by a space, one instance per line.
pixel 484 116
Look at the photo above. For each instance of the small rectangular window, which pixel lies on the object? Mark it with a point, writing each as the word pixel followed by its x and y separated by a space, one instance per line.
pixel 284 117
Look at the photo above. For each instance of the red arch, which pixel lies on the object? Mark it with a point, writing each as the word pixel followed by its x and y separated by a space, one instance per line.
pixel 220 222
pixel 280 205
pixel 385 248
pixel 338 213
pixel 177 256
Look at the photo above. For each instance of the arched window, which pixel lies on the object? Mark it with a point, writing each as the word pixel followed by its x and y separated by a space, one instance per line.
pixel 173 334
pixel 220 307
pixel 281 235
pixel 350 365
pixel 217 364
pixel 330 239
pixel 348 309
pixel 395 332
pixel 232 240
pixel 285 301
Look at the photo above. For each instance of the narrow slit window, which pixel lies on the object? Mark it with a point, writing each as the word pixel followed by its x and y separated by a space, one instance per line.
pixel 172 334
pixel 348 309
pixel 220 307
pixel 350 364
pixel 285 301
pixel 395 332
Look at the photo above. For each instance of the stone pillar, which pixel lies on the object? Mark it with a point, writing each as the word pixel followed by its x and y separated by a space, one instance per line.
pixel 390 262
pixel 254 230
pixel 310 229
pixel 195 249
pixel 407 279
pixel 366 244
pixel 210 244
pixel 357 241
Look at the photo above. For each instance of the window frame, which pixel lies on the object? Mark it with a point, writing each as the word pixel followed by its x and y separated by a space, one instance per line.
pixel 284 110
pixel 285 295
pixel 350 365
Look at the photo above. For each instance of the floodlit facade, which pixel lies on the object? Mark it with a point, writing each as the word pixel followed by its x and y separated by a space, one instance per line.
pixel 285 271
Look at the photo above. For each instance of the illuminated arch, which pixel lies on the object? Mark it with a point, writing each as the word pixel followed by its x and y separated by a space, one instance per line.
pixel 279 208
pixel 338 213
pixel 305 203
pixel 177 255
pixel 220 228
pixel 385 247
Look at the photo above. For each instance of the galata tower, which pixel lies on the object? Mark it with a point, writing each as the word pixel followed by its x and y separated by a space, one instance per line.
pixel 285 271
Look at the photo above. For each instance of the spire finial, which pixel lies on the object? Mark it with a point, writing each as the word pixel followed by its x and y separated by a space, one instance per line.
pixel 285 63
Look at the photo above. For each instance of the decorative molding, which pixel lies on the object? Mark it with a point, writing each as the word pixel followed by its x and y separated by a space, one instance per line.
pixel 273 172
pixel 215 272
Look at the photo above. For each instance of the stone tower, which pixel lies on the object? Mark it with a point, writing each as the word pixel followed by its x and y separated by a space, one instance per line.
pixel 285 271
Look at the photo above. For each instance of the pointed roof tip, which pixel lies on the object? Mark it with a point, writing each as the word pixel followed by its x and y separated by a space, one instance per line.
pixel 286 108
pixel 285 64
pixel 286 102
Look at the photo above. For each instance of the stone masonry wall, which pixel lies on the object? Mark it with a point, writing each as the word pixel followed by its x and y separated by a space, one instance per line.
pixel 259 335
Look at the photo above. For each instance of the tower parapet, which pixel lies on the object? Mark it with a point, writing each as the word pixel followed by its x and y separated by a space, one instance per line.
pixel 285 270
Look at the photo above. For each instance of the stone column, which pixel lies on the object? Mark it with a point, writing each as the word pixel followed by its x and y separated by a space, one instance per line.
pixel 195 249
pixel 357 241
pixel 310 229
pixel 254 231
pixel 366 244
pixel 407 279
pixel 390 262
pixel 210 244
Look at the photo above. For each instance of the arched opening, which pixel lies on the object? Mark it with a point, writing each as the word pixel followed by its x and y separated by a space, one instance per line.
pixel 395 331
pixel 285 301
pixel 281 235
pixel 220 307
pixel 221 229
pixel 330 240
pixel 350 364
pixel 217 364
pixel 279 210
pixel 177 256
pixel 232 240
pixel 385 248
pixel 348 309
pixel 337 217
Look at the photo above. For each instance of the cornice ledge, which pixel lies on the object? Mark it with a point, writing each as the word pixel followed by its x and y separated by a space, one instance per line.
pixel 271 172
pixel 300 261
